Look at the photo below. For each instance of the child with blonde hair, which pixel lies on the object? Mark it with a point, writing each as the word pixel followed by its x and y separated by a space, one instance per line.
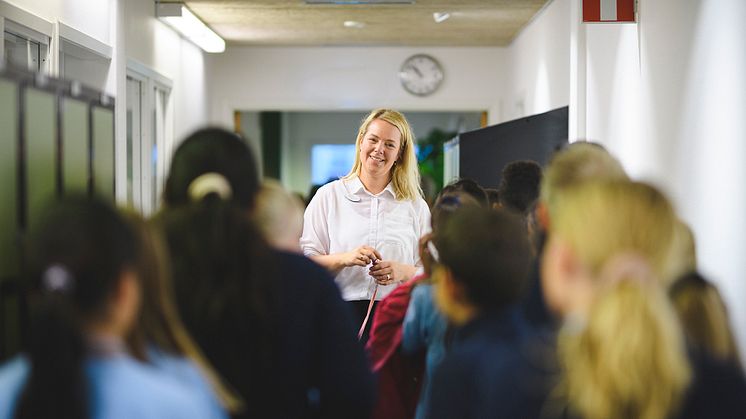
pixel 279 215
pixel 704 316
pixel 621 348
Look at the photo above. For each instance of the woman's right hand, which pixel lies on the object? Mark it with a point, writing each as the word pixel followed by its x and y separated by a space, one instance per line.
pixel 361 256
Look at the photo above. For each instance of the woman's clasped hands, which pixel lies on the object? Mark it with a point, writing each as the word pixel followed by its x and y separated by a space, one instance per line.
pixel 384 272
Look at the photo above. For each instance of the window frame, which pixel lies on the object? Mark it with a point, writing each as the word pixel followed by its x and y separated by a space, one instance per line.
pixel 31 27
pixel 151 177
pixel 90 47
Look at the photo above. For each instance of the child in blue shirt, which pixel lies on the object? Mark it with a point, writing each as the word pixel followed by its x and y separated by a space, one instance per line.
pixel 86 299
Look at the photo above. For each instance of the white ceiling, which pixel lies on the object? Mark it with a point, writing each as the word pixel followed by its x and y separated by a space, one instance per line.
pixel 295 22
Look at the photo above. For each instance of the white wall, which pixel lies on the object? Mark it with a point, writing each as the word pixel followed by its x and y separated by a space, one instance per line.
pixel 88 16
pixel 537 64
pixel 346 78
pixel 669 97
pixel 77 63
pixel 614 97
pixel 694 93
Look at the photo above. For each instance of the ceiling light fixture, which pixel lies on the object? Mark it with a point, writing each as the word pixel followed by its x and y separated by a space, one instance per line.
pixel 354 24
pixel 179 17
pixel 361 2
pixel 440 17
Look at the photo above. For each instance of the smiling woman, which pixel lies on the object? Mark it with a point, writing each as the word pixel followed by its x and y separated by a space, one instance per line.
pixel 365 227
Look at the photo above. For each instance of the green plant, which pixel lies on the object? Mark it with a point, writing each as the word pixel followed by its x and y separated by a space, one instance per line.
pixel 430 156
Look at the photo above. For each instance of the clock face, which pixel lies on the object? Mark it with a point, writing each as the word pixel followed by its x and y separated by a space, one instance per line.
pixel 421 75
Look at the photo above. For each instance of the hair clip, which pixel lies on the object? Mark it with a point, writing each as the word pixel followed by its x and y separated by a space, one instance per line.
pixel 208 183
pixel 627 267
pixel 450 200
pixel 57 279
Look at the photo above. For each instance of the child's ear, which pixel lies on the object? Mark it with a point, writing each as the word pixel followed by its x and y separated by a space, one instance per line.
pixel 450 296
pixel 126 302
pixel 454 289
pixel 542 215
pixel 562 275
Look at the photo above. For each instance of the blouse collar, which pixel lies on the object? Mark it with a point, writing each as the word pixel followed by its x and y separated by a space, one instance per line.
pixel 355 186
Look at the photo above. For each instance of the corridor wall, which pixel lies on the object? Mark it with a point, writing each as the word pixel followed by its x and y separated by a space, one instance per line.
pixel 667 96
pixel 57 138
pixel 347 78
pixel 133 32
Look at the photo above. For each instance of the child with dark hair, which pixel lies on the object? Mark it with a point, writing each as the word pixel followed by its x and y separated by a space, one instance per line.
pixel 469 187
pixel 160 338
pixel 482 271
pixel 425 327
pixel 272 323
pixel 397 343
pixel 493 196
pixel 519 187
pixel 86 299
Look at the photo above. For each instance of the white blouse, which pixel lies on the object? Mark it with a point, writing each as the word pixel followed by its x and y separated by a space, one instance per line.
pixel 343 215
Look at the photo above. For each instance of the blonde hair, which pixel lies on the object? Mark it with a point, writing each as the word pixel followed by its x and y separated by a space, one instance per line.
pixel 684 252
pixel 159 323
pixel 704 316
pixel 405 175
pixel 629 359
pixel 580 161
pixel 279 215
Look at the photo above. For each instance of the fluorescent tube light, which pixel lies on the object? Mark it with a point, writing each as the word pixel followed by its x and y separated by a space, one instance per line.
pixel 440 17
pixel 362 2
pixel 354 24
pixel 179 17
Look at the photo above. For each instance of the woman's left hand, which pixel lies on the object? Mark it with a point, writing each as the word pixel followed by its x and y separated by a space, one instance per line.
pixel 387 272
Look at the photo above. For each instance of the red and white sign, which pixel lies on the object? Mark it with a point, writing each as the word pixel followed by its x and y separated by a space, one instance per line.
pixel 608 10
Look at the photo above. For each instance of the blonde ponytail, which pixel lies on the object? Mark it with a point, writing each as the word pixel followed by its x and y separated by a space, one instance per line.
pixel 628 358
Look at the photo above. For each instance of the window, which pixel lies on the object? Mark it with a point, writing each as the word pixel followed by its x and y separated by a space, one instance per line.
pixel 149 137
pixel 83 58
pixel 331 161
pixel 23 52
pixel 25 39
pixel 451 156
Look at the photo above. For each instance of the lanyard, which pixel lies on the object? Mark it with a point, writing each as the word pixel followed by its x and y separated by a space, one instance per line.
pixel 367 315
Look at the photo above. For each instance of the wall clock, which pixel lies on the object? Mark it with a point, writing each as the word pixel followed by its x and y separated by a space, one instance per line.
pixel 421 75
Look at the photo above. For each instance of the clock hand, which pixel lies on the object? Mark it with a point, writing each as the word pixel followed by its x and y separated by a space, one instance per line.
pixel 417 70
